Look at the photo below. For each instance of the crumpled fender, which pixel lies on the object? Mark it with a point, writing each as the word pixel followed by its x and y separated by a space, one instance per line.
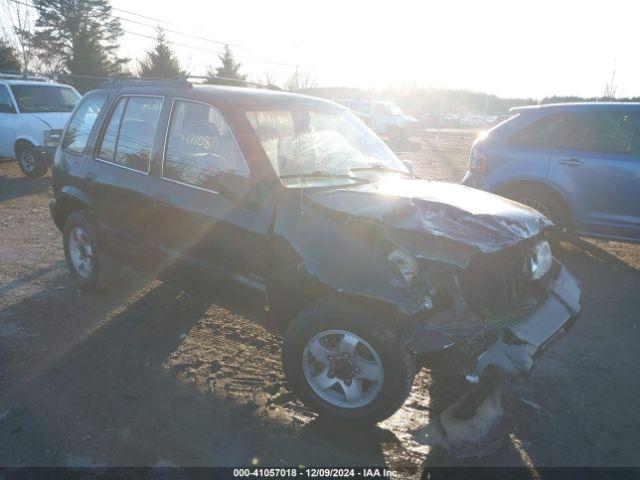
pixel 315 253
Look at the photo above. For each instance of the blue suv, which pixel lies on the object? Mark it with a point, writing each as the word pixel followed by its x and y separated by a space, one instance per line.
pixel 579 164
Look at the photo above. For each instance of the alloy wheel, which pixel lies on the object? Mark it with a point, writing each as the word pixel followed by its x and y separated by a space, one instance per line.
pixel 342 368
pixel 80 252
pixel 27 160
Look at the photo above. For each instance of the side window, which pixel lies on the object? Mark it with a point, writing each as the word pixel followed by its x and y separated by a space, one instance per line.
pixel 538 134
pixel 129 136
pixel 575 131
pixel 77 133
pixel 6 103
pixel 200 146
pixel 108 146
pixel 618 133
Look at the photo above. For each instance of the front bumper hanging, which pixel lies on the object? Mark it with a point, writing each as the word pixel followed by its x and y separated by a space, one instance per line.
pixel 513 352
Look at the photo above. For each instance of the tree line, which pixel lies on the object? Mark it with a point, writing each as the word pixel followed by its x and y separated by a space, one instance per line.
pixel 79 40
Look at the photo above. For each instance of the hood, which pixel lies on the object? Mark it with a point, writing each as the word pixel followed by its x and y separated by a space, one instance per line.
pixel 53 120
pixel 442 221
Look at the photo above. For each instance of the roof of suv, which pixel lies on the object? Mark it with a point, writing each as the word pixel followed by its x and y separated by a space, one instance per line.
pixel 242 96
pixel 577 107
pixel 32 82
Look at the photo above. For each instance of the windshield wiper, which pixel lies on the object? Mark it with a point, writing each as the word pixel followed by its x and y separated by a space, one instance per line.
pixel 323 174
pixel 381 168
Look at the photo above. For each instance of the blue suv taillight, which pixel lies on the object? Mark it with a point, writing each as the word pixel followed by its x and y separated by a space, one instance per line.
pixel 477 161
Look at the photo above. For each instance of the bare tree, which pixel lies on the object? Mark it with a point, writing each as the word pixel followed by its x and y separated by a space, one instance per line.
pixel 300 81
pixel 19 31
pixel 269 77
pixel 610 88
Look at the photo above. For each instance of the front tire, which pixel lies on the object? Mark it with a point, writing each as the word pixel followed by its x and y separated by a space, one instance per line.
pixel 30 161
pixel 344 363
pixel 90 266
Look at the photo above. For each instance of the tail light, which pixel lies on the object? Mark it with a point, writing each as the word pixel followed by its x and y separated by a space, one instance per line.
pixel 477 161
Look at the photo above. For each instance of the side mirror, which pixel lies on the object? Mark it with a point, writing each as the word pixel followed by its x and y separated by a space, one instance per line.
pixel 6 108
pixel 409 166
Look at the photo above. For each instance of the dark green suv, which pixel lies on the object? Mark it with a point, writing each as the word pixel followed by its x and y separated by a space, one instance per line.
pixel 365 269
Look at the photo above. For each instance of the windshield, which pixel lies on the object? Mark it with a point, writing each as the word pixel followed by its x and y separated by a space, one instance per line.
pixel 331 145
pixel 43 98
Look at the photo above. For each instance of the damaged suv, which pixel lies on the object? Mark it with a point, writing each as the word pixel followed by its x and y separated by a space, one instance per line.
pixel 366 270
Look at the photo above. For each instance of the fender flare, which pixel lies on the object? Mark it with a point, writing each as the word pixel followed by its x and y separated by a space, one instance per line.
pixel 74 193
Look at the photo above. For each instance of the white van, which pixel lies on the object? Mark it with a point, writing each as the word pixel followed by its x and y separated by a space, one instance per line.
pixel 33 113
pixel 383 116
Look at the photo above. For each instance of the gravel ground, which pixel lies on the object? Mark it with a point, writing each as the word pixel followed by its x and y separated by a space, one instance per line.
pixel 152 374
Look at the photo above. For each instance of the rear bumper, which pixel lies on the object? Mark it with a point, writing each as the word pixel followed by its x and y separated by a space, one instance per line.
pixel 513 350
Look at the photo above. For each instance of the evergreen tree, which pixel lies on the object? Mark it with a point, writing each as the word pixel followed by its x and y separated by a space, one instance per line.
pixel 82 33
pixel 230 69
pixel 161 61
pixel 9 60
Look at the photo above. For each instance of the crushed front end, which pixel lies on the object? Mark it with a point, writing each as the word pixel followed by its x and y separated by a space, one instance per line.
pixel 497 315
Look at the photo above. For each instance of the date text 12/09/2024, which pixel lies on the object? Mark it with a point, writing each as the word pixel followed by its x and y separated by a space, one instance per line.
pixel 310 472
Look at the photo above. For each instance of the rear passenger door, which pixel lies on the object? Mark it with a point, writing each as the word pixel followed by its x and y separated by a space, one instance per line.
pixel 597 158
pixel 201 219
pixel 118 176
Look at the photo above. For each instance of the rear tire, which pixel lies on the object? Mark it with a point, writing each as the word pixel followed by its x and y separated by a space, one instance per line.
pixel 544 203
pixel 90 266
pixel 30 161
pixel 376 354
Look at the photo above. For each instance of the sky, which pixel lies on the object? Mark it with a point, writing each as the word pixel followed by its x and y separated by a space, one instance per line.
pixel 519 48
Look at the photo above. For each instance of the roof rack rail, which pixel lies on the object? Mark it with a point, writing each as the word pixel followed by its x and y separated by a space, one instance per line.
pixel 232 81
pixel 121 82
pixel 12 75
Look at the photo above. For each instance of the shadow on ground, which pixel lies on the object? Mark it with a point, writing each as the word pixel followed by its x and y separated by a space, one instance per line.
pixel 12 186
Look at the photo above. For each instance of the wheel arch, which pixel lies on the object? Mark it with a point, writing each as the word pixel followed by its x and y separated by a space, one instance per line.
pixel 508 189
pixel 284 307
pixel 26 141
pixel 70 199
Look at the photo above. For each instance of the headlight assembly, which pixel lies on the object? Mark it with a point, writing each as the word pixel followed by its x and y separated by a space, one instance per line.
pixel 539 260
pixel 52 138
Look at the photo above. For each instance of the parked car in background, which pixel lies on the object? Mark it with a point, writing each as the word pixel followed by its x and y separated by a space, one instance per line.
pixel 578 164
pixel 383 116
pixel 365 269
pixel 33 114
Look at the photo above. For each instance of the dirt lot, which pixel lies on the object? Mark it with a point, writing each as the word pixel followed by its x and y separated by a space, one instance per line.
pixel 151 374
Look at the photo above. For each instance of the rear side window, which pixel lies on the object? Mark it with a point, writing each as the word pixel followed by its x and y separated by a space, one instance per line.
pixel 6 104
pixel 108 146
pixel 77 133
pixel 200 146
pixel 614 132
pixel 538 134
pixel 130 133
pixel 575 131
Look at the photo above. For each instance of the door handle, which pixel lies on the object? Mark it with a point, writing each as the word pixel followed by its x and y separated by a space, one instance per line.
pixel 91 177
pixel 571 162
pixel 161 201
